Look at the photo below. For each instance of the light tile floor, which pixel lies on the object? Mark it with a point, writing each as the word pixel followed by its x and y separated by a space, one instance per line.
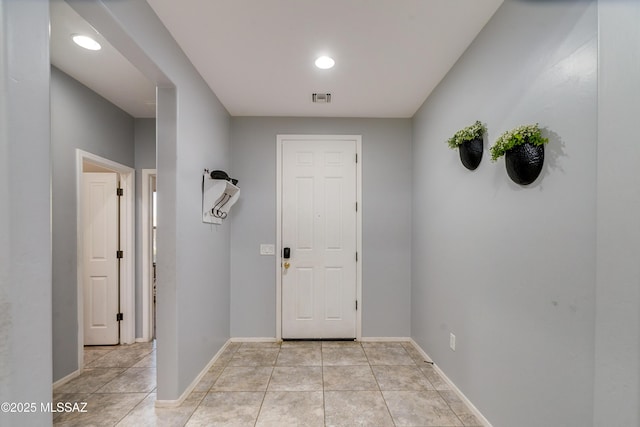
pixel 308 383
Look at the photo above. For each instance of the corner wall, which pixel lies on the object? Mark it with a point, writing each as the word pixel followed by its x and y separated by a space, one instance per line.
pixel 386 240
pixel 617 352
pixel 510 270
pixel 82 119
pixel 193 133
pixel 145 158
pixel 25 219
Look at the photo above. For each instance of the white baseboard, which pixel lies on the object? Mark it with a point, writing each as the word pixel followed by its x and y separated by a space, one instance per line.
pixel 254 339
pixel 188 390
pixel 185 394
pixel 385 339
pixel 454 388
pixel 363 339
pixel 67 378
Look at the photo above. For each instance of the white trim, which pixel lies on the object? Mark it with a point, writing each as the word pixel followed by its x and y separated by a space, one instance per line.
pixel 363 339
pixel 147 265
pixel 127 238
pixel 66 379
pixel 386 339
pixel 360 205
pixel 278 257
pixel 454 388
pixel 177 402
pixel 254 339
pixel 128 267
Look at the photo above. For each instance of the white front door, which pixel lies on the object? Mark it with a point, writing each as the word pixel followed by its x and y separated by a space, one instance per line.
pixel 100 268
pixel 319 186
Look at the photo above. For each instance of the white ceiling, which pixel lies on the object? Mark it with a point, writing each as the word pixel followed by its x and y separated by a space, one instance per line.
pixel 105 71
pixel 257 55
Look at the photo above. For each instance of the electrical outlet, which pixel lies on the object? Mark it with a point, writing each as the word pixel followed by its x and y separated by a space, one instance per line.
pixel 266 249
pixel 452 341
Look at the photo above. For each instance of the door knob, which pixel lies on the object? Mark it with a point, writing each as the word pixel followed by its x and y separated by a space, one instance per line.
pixel 287 265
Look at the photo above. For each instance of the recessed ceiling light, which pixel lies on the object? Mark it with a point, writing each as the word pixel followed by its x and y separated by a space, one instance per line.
pixel 86 42
pixel 325 62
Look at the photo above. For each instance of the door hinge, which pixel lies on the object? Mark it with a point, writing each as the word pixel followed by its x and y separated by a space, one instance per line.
pixel 119 192
pixel 356 305
pixel 356 256
pixel 356 206
pixel 119 317
pixel 119 254
pixel 356 157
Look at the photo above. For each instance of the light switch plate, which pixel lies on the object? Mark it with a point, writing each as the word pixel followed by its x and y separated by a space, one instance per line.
pixel 267 249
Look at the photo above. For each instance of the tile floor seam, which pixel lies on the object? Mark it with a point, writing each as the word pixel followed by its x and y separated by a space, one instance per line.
pixel 132 409
pixel 450 407
pixel 225 364
pixel 264 396
pixel 386 404
pixel 453 411
pixel 324 396
pixel 195 408
pixel 108 382
pixel 84 366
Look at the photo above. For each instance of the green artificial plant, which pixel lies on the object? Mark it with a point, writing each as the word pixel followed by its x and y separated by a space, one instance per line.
pixel 514 137
pixel 475 131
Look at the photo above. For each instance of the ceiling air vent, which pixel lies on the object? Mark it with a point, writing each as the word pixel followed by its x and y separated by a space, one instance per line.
pixel 321 98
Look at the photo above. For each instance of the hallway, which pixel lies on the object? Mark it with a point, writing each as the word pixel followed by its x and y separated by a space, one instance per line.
pixel 307 383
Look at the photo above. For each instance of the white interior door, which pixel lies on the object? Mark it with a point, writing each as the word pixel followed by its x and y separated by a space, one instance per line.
pixel 100 268
pixel 319 228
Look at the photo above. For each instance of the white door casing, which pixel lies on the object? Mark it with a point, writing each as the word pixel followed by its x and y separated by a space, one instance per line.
pixel 148 187
pixel 101 287
pixel 127 245
pixel 320 224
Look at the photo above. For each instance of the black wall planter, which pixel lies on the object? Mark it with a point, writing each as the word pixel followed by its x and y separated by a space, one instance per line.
pixel 524 163
pixel 471 153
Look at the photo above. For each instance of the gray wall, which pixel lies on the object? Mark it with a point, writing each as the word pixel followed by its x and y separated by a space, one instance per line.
pixel 79 119
pixel 617 379
pixel 510 270
pixel 193 134
pixel 25 222
pixel 145 158
pixel 526 341
pixel 386 188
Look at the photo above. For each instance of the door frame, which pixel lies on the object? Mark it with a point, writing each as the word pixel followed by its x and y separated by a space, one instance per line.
pixel 147 265
pixel 127 241
pixel 278 255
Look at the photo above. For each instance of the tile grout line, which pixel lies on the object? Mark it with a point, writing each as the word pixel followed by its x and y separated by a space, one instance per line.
pixel 267 387
pixel 379 388
pixel 206 392
pixel 224 367
pixel 95 392
pixel 450 408
pixel 438 391
pixel 95 360
pixel 132 409
pixel 324 398
pixel 194 408
pixel 197 403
